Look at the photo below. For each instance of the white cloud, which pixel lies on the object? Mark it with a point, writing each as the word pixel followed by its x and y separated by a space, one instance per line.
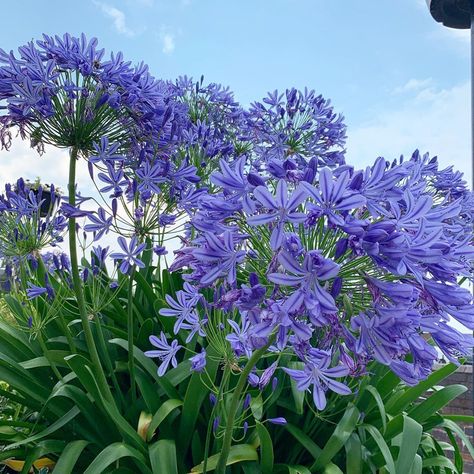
pixel 432 120
pixel 168 44
pixel 118 18
pixel 413 85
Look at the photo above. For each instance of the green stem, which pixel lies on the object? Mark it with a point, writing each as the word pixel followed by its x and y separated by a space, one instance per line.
pixel 226 444
pixel 131 358
pixel 108 362
pixel 77 283
pixel 211 419
pixel 45 350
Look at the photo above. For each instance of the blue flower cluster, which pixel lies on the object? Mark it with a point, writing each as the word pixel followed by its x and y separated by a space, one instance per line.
pixel 335 266
pixel 285 246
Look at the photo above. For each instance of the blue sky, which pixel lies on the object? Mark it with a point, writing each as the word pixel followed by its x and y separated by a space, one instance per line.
pixel 401 80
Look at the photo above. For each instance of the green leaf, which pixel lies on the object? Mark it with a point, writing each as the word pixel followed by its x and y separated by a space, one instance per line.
pixel 266 449
pixel 195 395
pixel 439 461
pixel 69 456
pixel 113 453
pixel 399 402
pixel 150 367
pixel 237 453
pixel 383 447
pixel 417 466
pixel 411 438
pixel 460 418
pixel 380 405
pixel 343 430
pixel 353 454
pixel 304 440
pixel 161 414
pixel 298 470
pixel 435 402
pixel 80 366
pixel 460 433
pixel 163 457
pixel 298 395
pixel 59 423
pixel 256 407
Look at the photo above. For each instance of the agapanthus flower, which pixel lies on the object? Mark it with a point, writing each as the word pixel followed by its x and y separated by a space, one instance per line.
pixel 165 352
pixel 278 209
pixel 318 374
pixel 130 253
pixel 198 362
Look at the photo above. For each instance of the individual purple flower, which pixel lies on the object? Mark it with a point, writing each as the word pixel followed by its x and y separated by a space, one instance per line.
pixel 198 362
pixel 100 224
pixel 221 256
pixel 333 195
pixel 130 253
pixel 33 291
pixel 267 376
pixel 182 308
pixel 165 352
pixel 306 277
pixel 114 179
pixel 280 209
pixel 277 421
pixel 150 177
pixel 73 211
pixel 159 250
pixel 239 339
pixel 320 376
pixel 105 152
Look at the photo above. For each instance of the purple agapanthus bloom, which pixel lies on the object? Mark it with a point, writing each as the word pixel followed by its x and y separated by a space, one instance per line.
pixel 150 176
pixel 165 352
pixel 105 152
pixel 334 195
pixel 219 252
pixel 129 254
pixel 198 362
pixel 306 276
pixel 114 179
pixel 278 209
pixel 34 291
pixel 100 224
pixel 320 376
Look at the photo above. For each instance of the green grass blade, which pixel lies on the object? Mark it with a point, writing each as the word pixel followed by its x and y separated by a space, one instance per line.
pixel 163 457
pixel 237 453
pixel 113 453
pixel 343 430
pixel 69 457
pixel 266 449
pixel 411 438
pixel 161 414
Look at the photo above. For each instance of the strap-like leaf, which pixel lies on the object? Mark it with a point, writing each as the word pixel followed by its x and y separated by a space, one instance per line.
pixel 411 438
pixel 343 430
pixel 163 457
pixel 266 449
pixel 113 453
pixel 237 453
pixel 161 414
pixel 69 457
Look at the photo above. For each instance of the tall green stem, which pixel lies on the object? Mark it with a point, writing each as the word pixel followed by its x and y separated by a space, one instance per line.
pixel 131 357
pixel 77 283
pixel 234 405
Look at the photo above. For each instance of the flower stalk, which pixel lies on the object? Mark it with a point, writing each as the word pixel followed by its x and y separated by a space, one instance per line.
pixel 77 283
pixel 227 441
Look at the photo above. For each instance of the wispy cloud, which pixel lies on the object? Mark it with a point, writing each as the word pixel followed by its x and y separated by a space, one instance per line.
pixel 167 38
pixel 118 18
pixel 414 85
pixel 435 120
